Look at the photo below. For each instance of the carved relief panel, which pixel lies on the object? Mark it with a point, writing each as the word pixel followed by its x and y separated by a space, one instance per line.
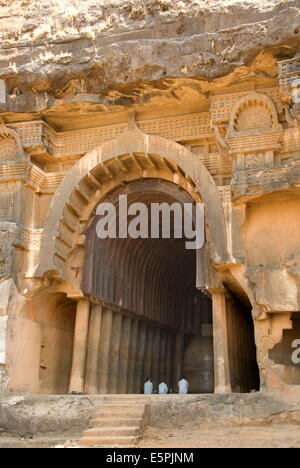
pixel 254 132
pixel 289 79
pixel 10 145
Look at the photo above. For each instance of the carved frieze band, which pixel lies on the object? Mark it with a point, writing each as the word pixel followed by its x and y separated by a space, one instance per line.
pixel 78 142
pixel 253 181
pixel 289 72
pixel 31 175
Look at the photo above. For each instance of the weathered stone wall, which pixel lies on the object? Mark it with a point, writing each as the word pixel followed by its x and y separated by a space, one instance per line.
pixel 273 251
pixel 27 417
pixel 225 410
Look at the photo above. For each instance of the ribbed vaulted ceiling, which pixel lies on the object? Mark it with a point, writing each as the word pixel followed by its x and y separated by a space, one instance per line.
pixel 149 277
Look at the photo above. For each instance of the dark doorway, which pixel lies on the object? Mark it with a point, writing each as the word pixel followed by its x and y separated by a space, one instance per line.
pixel 243 367
pixel 153 281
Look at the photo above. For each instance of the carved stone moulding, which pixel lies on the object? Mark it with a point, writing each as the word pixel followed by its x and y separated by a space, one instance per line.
pixel 254 114
pixel 254 143
pixel 291 142
pixel 289 80
pixel 254 132
pixel 8 203
pixel 29 239
pixel 255 182
pixel 33 176
pixel 10 145
pixel 295 172
pixel 222 105
pixel 79 142
pixel 289 72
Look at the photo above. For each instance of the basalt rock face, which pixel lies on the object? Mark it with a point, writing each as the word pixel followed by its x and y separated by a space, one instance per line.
pixel 58 49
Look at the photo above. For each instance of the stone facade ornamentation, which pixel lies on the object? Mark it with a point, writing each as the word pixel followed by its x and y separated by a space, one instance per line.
pixel 8 235
pixel 254 132
pixel 10 145
pixel 235 147
pixel 289 80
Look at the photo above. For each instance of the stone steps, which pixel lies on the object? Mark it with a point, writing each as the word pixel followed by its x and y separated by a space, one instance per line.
pixel 112 431
pixel 102 413
pixel 126 398
pixel 102 441
pixel 116 423
pixel 123 407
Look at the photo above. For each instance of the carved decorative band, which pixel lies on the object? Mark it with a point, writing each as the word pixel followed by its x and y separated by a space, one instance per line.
pixel 257 181
pixel 246 144
pixel 30 239
pixel 31 175
pixel 78 142
pixel 289 71
pixel 221 106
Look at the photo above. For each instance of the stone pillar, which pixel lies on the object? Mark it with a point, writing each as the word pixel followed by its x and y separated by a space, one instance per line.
pixel 114 352
pixel 105 342
pixel 170 362
pixel 80 346
pixel 163 357
pixel 124 355
pixel 167 360
pixel 91 375
pixel 148 353
pixel 262 330
pixel 221 357
pixel 132 355
pixel 140 358
pixel 179 353
pixel 156 356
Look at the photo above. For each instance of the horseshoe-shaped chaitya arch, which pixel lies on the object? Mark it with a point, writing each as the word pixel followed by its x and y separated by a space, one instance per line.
pixel 131 142
pixel 10 135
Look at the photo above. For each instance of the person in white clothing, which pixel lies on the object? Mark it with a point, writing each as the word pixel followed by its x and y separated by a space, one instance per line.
pixel 163 388
pixel 148 387
pixel 183 386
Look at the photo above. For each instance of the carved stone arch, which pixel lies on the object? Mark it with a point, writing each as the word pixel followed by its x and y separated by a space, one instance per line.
pixel 10 145
pixel 108 166
pixel 254 113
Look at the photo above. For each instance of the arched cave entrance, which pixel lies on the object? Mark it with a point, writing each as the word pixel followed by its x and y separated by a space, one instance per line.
pixel 120 334
pixel 160 324
pixel 155 321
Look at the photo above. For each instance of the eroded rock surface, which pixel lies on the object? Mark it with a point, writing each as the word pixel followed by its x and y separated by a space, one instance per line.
pixel 59 49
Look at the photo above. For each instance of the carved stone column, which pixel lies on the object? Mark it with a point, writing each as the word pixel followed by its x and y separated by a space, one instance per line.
pixel 163 357
pixel 91 376
pixel 114 352
pixel 170 360
pixel 105 343
pixel 140 358
pixel 179 352
pixel 80 346
pixel 156 356
pixel 132 355
pixel 124 355
pixel 221 357
pixel 263 336
pixel 148 361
